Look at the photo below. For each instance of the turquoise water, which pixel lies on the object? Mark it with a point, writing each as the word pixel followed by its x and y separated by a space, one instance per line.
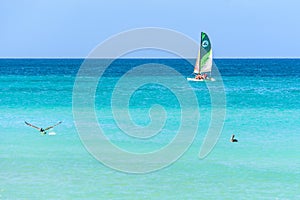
pixel 262 110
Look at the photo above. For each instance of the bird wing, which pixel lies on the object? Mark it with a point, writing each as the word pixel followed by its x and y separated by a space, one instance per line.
pixel 52 126
pixel 32 125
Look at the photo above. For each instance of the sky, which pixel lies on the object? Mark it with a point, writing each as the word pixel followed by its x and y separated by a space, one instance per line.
pixel 70 28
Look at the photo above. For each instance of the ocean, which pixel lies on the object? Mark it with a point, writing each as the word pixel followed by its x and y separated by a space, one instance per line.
pixel 262 110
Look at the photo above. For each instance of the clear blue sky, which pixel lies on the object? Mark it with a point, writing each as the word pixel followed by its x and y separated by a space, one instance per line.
pixel 70 28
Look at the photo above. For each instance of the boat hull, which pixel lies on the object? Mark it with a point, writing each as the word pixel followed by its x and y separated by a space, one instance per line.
pixel 200 80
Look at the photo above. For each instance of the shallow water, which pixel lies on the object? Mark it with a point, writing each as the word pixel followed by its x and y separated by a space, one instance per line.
pixel 262 110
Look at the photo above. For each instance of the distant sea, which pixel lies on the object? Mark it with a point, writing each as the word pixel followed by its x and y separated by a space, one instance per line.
pixel 262 110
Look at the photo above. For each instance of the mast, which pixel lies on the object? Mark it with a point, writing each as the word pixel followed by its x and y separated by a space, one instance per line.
pixel 198 62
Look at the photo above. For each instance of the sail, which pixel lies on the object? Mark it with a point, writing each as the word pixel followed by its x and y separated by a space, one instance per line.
pixel 197 68
pixel 205 54
pixel 204 62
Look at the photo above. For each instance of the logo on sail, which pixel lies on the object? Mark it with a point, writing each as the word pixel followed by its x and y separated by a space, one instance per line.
pixel 205 44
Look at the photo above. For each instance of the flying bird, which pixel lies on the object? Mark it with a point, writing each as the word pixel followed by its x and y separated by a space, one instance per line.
pixel 42 130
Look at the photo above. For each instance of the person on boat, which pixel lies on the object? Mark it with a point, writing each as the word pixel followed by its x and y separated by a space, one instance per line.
pixel 204 76
pixel 198 76
pixel 232 139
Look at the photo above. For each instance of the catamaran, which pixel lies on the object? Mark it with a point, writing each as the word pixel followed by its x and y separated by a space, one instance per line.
pixel 204 62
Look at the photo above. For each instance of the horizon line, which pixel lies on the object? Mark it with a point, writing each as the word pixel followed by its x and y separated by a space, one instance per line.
pixel 148 58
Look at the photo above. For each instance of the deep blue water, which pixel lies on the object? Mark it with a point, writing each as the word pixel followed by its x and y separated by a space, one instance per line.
pixel 227 67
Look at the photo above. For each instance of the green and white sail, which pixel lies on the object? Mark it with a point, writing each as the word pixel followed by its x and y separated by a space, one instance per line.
pixel 204 59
